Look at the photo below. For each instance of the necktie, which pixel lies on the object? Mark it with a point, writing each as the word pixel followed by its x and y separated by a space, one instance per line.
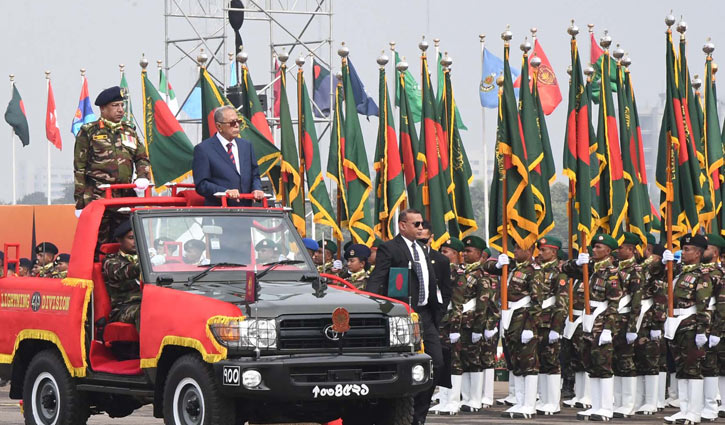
pixel 419 273
pixel 231 154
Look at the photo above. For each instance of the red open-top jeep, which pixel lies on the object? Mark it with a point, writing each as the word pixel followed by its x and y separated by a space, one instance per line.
pixel 224 338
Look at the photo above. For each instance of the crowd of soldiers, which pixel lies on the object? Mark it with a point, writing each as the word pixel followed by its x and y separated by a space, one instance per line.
pixel 47 263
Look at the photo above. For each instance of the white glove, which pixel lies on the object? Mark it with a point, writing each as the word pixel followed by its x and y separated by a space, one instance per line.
pixel 582 259
pixel 631 337
pixel 142 183
pixel 503 260
pixel 553 336
pixel 454 336
pixel 78 213
pixel 714 340
pixel 158 260
pixel 700 340
pixel 667 256
pixel 526 336
pixel 489 334
pixel 475 337
pixel 337 264
pixel 605 337
pixel 655 334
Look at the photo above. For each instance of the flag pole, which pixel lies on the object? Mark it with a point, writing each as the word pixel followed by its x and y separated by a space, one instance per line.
pixel 504 209
pixel 484 169
pixel 47 85
pixel 12 142
pixel 300 61
pixel 669 197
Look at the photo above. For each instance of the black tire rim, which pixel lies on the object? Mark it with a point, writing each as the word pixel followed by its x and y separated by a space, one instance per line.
pixel 46 399
pixel 189 403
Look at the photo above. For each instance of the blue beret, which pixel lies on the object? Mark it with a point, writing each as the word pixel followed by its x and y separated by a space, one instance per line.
pixel 310 244
pixel 111 94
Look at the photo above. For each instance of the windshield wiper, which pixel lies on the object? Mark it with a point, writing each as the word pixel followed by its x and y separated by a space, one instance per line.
pixel 191 279
pixel 274 264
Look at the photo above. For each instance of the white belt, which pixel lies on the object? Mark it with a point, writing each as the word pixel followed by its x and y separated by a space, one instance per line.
pixel 588 319
pixel 577 312
pixel 570 327
pixel 672 323
pixel 711 304
pixel 506 315
pixel 624 307
pixel 548 302
pixel 470 305
pixel 646 305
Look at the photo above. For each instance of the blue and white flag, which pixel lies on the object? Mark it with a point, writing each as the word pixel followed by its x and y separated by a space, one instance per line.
pixel 492 69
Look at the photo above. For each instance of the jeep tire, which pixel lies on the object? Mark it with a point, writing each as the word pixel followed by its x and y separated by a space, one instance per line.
pixel 191 396
pixel 49 393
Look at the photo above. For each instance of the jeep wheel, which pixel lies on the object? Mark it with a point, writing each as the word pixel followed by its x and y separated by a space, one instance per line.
pixel 397 411
pixel 191 396
pixel 49 394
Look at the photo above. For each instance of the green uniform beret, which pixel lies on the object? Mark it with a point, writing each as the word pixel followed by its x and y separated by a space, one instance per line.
pixel 651 240
pixel 328 244
pixel 715 240
pixel 631 239
pixel 697 240
pixel 605 240
pixel 549 241
pixel 453 243
pixel 474 241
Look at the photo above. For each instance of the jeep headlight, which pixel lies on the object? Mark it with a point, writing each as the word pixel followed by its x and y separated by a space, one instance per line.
pixel 401 331
pixel 246 334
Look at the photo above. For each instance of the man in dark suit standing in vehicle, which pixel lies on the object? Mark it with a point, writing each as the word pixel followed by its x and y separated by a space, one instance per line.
pixel 226 163
pixel 405 251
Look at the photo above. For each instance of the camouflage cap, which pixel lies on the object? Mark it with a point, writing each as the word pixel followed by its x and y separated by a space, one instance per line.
pixel 111 94
pixel 358 251
pixel 631 239
pixel 605 240
pixel 475 242
pixel 328 244
pixel 266 244
pixel 48 247
pixel 697 240
pixel 453 243
pixel 549 241
pixel 715 240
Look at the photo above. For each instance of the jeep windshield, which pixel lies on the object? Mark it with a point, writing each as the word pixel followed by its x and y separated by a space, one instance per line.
pixel 179 244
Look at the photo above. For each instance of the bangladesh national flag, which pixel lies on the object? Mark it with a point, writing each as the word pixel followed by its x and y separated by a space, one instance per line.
pixel 268 156
pixel 412 158
pixel 714 149
pixel 538 150
pixel 252 108
pixel 577 144
pixel 512 164
pixel 410 87
pixel 389 179
pixel 460 174
pixel 336 154
pixel 170 150
pixel 683 188
pixel 15 116
pixel 291 189
pixel 358 186
pixel 316 190
pixel 434 144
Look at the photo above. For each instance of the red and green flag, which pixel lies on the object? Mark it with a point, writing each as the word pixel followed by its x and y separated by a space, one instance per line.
pixel 336 154
pixel 15 116
pixel 713 149
pixel 413 159
pixel 252 108
pixel 322 210
pixel 513 164
pixel 389 179
pixel 291 188
pixel 358 186
pixel 170 150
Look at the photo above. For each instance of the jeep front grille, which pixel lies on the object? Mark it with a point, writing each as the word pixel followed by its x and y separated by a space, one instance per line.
pixel 307 332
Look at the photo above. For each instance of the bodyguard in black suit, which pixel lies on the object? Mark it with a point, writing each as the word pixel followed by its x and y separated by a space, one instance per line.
pixel 405 251
pixel 442 268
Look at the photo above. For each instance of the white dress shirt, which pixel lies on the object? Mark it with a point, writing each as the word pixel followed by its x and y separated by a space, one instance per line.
pixel 423 265
pixel 235 151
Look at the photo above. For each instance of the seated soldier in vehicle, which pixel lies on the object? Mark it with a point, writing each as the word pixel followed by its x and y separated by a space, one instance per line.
pixel 267 251
pixel 34 268
pixel 24 267
pixel 357 264
pixel 194 252
pixel 45 254
pixel 121 272
pixel 60 267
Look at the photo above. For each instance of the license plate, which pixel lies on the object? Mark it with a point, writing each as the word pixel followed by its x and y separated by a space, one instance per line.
pixel 231 376
pixel 341 390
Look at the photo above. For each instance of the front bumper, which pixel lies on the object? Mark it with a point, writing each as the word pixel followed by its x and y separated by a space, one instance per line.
pixel 325 377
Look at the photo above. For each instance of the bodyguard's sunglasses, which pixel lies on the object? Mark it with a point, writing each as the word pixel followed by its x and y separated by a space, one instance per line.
pixel 416 223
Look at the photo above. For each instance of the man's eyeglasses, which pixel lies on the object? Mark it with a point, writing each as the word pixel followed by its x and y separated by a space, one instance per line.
pixel 234 123
pixel 416 223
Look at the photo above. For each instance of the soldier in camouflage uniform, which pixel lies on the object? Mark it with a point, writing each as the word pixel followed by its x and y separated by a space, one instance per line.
pixel 45 255
pixel 106 152
pixel 631 275
pixel 121 272
pixel 605 291
pixel 325 258
pixel 519 324
pixel 718 329
pixel 554 307
pixel 357 264
pixel 60 266
pixel 687 331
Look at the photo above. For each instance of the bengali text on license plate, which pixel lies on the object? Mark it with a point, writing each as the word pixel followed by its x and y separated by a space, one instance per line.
pixel 341 390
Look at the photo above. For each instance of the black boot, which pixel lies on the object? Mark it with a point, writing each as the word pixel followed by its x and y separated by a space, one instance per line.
pixel 567 388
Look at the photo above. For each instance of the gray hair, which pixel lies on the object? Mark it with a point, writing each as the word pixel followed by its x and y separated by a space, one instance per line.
pixel 219 112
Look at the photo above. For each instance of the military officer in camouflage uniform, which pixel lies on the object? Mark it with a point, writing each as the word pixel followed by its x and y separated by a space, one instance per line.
pixel 121 272
pixel 718 329
pixel 357 265
pixel 554 308
pixel 631 276
pixel 106 152
pixel 687 330
pixel 605 291
pixel 325 258
pixel 60 266
pixel 519 324
pixel 45 254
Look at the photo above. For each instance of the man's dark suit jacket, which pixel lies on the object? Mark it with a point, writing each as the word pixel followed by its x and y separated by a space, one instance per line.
pixel 442 267
pixel 215 172
pixel 396 253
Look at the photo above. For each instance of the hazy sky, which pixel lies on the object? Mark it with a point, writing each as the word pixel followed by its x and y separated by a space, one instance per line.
pixel 100 34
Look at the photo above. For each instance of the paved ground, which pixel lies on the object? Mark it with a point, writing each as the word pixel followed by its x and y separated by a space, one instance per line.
pixel 10 414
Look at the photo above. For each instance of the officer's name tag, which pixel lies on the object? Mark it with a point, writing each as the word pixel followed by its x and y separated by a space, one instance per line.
pixel 100 137
pixel 341 390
